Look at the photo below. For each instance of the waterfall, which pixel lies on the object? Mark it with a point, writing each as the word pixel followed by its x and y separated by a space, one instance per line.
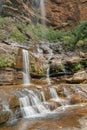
pixel 31 106
pixel 48 67
pixel 53 93
pixel 43 16
pixel 43 96
pixel 26 75
pixel 56 98
pixel 43 13
pixel 48 74
pixel 26 109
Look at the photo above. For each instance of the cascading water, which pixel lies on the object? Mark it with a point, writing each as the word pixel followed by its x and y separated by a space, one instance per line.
pixel 43 96
pixel 34 105
pixel 31 106
pixel 54 94
pixel 56 98
pixel 48 68
pixel 26 74
pixel 43 13
pixel 26 109
pixel 43 17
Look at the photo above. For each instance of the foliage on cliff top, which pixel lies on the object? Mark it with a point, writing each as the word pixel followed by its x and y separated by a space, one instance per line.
pixel 20 32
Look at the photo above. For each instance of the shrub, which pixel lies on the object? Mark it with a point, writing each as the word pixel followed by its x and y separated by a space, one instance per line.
pixel 7 61
pixel 16 35
pixel 78 66
pixel 2 22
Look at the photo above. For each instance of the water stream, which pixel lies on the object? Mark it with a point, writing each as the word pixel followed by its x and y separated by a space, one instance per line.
pixel 26 73
pixel 48 67
pixel 31 106
pixel 43 13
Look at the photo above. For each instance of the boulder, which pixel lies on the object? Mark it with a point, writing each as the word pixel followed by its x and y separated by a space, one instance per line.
pixel 4 116
pixel 80 77
pixel 77 98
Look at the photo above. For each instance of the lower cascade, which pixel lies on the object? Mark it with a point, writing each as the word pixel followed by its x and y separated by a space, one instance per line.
pixel 36 103
pixel 31 106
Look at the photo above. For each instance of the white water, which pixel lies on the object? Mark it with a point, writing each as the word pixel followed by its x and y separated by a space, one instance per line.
pixel 48 68
pixel 43 17
pixel 56 98
pixel 48 74
pixel 43 96
pixel 53 93
pixel 26 73
pixel 24 101
pixel 36 108
pixel 43 13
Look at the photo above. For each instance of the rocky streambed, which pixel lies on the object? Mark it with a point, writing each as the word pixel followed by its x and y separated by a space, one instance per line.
pixel 61 67
pixel 63 101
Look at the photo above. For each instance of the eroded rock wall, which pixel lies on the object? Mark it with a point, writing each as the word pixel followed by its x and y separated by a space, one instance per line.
pixel 59 13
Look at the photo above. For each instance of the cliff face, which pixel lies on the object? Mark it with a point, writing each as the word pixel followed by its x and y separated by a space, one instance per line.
pixel 59 13
pixel 83 9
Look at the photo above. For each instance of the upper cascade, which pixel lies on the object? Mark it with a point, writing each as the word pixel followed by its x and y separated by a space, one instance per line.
pixel 59 13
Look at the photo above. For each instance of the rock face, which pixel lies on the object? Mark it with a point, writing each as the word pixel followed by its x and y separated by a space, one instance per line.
pixel 59 13
pixel 83 9
pixel 6 76
pixel 64 67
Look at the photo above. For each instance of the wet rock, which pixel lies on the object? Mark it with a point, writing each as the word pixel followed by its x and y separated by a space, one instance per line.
pixel 77 98
pixel 56 47
pixel 14 102
pixel 19 60
pixel 4 116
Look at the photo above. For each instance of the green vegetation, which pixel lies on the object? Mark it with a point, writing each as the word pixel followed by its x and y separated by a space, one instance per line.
pixel 16 35
pixel 78 66
pixel 21 32
pixel 40 71
pixel 7 61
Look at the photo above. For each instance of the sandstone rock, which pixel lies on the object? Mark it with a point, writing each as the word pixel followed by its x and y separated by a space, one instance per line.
pixel 77 98
pixel 7 76
pixel 73 60
pixel 4 116
pixel 19 60
pixel 59 13
pixel 79 77
pixel 14 102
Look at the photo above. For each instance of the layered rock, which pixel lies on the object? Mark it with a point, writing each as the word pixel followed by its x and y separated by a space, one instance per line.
pixel 65 67
pixel 59 14
pixel 83 9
